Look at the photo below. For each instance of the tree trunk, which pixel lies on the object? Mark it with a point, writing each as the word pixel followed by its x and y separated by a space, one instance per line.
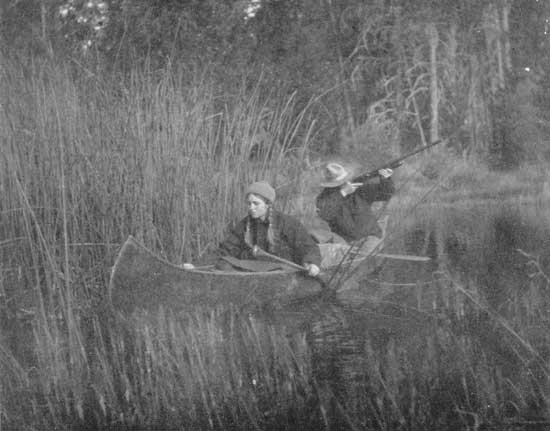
pixel 500 57
pixel 417 115
pixel 44 26
pixel 507 4
pixel 342 72
pixel 43 19
pixel 478 115
pixel 452 49
pixel 434 83
pixel 493 46
pixel 496 17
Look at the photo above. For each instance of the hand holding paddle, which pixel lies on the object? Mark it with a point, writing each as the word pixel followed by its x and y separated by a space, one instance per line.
pixel 312 269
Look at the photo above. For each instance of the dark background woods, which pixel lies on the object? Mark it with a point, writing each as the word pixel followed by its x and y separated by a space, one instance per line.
pixel 373 73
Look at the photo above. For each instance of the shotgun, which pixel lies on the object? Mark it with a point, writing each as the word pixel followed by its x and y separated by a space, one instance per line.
pixel 392 164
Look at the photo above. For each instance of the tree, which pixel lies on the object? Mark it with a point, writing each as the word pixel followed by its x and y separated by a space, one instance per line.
pixel 429 67
pixel 186 30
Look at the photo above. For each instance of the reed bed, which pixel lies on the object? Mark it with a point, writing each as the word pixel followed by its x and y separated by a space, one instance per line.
pixel 207 371
pixel 87 160
pixel 221 369
pixel 159 157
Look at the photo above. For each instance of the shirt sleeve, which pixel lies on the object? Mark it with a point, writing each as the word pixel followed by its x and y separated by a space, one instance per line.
pixel 233 244
pixel 329 202
pixel 379 191
pixel 305 248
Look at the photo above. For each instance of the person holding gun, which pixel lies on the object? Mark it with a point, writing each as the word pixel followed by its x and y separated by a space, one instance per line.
pixel 345 203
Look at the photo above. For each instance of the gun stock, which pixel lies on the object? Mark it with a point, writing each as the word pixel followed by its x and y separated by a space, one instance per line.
pixel 392 164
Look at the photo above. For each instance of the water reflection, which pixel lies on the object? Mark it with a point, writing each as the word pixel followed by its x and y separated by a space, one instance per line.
pixel 344 338
pixel 479 243
pixel 475 300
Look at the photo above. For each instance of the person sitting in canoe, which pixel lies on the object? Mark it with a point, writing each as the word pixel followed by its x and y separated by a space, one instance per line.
pixel 272 231
pixel 346 207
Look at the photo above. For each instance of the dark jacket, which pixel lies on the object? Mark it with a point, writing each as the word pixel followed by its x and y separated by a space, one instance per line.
pixel 292 241
pixel 351 216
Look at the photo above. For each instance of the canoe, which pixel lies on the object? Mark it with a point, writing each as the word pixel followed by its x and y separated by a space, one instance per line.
pixel 141 279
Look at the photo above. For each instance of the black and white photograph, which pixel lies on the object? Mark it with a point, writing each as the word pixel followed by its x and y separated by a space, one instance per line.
pixel 279 215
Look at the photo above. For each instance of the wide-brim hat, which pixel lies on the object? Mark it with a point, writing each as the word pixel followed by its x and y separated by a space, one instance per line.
pixel 335 174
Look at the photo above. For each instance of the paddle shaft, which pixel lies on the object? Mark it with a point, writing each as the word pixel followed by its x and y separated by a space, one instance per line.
pixel 257 251
pixel 408 257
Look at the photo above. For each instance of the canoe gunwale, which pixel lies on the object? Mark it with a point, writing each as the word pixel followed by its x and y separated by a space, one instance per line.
pixel 140 279
pixel 131 241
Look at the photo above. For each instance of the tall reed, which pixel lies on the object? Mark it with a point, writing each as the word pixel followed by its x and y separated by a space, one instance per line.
pixel 87 161
pixel 213 370
pixel 153 155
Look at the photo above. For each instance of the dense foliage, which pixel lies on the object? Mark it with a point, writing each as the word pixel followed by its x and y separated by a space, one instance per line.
pixel 432 69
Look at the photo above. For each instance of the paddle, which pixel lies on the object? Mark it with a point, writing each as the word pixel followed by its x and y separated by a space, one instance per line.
pixel 257 251
pixel 407 257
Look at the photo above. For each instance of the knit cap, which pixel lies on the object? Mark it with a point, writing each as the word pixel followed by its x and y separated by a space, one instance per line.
pixel 263 189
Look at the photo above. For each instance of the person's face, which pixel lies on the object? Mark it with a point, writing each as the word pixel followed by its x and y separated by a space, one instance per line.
pixel 257 207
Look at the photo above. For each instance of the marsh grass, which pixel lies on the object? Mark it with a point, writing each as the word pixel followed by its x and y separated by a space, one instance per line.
pixel 88 160
pixel 215 370
pixel 159 157
pixel 220 369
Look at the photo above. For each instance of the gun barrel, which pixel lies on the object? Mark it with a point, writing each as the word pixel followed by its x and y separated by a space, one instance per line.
pixel 392 164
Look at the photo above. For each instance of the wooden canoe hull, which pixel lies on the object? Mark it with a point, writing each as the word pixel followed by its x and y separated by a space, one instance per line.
pixel 141 279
